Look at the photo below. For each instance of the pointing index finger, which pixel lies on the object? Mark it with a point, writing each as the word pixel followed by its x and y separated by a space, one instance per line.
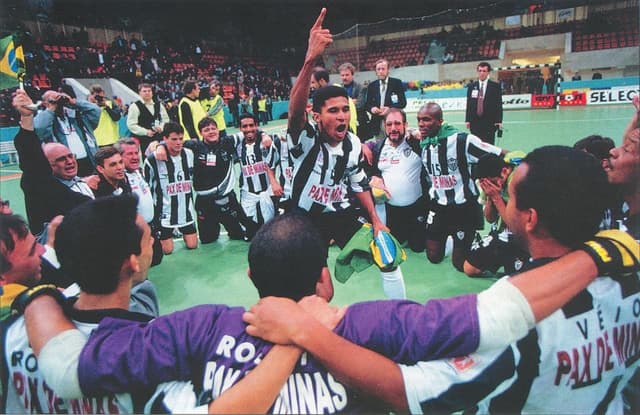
pixel 320 19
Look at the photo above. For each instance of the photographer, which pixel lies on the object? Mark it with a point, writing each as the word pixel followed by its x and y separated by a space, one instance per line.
pixel 107 131
pixel 71 122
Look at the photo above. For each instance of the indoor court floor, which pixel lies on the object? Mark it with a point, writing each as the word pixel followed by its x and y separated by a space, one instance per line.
pixel 217 272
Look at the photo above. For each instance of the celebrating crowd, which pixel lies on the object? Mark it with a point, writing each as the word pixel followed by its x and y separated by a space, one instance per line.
pixel 558 335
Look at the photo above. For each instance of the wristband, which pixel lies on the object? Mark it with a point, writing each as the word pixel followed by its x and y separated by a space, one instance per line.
pixel 24 298
pixel 614 252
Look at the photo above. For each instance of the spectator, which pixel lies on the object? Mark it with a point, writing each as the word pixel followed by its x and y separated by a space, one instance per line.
pixel 70 122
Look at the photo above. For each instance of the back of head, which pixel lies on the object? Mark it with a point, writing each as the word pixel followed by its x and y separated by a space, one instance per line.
pixel 321 74
pixel 325 93
pixel 490 165
pixel 286 257
pixel 95 238
pixel 188 87
pixel 596 145
pixel 569 190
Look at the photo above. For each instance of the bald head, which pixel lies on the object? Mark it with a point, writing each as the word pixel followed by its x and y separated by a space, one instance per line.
pixel 62 161
pixel 432 109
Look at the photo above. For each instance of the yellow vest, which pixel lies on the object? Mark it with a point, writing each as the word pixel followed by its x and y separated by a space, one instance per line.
pixel 262 105
pixel 218 117
pixel 107 131
pixel 196 112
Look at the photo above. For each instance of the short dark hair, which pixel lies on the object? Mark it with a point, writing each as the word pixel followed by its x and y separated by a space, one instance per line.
pixel 11 227
pixel 596 145
pixel 397 110
pixel 144 85
pixel 95 238
pixel 206 121
pixel 569 190
pixel 172 127
pixel 490 165
pixel 484 65
pixel 247 115
pixel 432 107
pixel 104 153
pixel 188 87
pixel 321 74
pixel 325 93
pixel 286 257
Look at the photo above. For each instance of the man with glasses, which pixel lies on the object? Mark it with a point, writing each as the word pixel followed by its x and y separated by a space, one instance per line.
pixel 70 122
pixel 50 179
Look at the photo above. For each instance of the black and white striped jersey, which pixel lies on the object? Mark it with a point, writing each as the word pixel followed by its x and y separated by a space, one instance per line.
pixel 448 166
pixel 322 175
pixel 577 360
pixel 171 185
pixel 255 159
pixel 285 162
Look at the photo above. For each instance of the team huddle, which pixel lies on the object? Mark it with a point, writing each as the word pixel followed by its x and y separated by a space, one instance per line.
pixel 559 334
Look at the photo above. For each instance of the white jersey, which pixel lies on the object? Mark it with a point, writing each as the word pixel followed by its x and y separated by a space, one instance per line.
pixel 171 187
pixel 255 161
pixel 27 391
pixel 283 144
pixel 449 167
pixel 323 174
pixel 577 360
pixel 141 188
pixel 401 169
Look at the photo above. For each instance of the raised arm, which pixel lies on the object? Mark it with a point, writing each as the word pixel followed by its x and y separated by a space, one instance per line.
pixel 319 39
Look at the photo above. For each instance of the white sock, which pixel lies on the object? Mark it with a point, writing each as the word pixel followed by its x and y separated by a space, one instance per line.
pixel 393 284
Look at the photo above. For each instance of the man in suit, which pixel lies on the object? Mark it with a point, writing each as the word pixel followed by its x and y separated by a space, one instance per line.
pixel 484 105
pixel 383 94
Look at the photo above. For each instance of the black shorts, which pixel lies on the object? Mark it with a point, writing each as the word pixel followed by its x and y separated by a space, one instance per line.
pixel 167 233
pixel 339 226
pixel 459 221
pixel 407 223
pixel 497 250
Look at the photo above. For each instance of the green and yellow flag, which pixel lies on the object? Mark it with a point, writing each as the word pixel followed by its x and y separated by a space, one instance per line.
pixel 11 64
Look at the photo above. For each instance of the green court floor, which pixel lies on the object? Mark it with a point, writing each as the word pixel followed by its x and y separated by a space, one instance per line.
pixel 216 273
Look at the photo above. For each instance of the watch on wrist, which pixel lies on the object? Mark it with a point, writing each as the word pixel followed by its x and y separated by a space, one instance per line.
pixel 24 298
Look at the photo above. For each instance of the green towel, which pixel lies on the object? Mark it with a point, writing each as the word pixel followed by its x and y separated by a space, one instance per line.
pixel 356 255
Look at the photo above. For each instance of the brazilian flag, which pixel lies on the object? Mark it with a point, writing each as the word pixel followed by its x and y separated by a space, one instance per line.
pixel 11 64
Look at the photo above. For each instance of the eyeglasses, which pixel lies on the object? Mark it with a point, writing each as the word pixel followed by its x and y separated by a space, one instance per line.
pixel 4 203
pixel 69 156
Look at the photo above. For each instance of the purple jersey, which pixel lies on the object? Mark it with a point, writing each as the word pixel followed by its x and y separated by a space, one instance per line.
pixel 208 345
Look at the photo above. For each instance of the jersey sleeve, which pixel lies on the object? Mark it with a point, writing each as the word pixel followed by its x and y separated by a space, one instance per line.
pixel 459 383
pixel 306 140
pixel 477 148
pixel 358 179
pixel 409 332
pixel 122 355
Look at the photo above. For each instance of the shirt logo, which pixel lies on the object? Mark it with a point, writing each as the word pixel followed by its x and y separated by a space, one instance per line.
pixel 452 164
